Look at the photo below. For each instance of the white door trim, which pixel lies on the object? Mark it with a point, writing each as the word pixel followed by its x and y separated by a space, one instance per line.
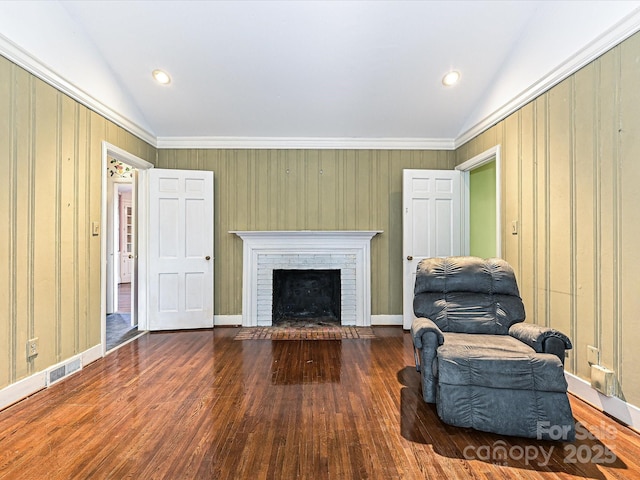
pixel 466 167
pixel 109 150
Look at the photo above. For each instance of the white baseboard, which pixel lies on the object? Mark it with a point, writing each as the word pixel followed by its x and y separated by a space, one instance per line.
pixel 227 320
pixel 91 355
pixel 386 320
pixel 22 389
pixel 621 410
pixel 28 386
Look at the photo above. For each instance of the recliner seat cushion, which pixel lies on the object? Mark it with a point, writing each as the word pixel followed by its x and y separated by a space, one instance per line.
pixel 497 343
pixel 505 343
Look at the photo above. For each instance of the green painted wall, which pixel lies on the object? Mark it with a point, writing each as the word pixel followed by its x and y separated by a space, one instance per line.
pixel 482 210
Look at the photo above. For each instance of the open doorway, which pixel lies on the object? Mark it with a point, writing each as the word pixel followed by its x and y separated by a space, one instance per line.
pixel 123 250
pixel 121 319
pixel 482 223
pixel 482 211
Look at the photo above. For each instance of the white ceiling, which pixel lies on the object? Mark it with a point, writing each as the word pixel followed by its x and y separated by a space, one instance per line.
pixel 332 73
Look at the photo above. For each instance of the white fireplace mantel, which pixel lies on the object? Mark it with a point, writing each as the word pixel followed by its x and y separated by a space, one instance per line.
pixel 348 250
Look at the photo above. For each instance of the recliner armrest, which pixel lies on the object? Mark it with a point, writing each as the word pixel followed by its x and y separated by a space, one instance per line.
pixel 541 339
pixel 421 326
pixel 427 337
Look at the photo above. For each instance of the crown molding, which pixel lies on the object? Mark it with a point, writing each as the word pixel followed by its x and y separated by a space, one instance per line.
pixel 24 59
pixel 621 31
pixel 605 42
pixel 302 143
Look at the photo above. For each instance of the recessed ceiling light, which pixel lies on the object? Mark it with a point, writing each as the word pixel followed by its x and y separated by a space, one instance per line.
pixel 451 78
pixel 161 77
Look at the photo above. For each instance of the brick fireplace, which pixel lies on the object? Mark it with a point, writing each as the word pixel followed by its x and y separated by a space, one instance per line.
pixel 345 250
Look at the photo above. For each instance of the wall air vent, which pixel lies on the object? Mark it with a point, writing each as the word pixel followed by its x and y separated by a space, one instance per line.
pixel 59 372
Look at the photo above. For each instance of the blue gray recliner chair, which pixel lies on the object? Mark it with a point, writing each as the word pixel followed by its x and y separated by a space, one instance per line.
pixel 482 366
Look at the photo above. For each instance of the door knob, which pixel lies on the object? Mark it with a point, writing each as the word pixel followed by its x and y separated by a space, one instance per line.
pixel 130 256
pixel 409 257
pixel 207 257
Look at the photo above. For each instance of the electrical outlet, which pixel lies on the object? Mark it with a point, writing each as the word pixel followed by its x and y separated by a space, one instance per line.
pixel 32 347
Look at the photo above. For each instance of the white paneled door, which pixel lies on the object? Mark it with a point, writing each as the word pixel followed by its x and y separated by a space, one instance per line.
pixel 180 249
pixel 431 203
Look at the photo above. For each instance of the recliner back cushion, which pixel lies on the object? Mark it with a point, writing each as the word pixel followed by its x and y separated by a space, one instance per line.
pixel 470 312
pixel 468 295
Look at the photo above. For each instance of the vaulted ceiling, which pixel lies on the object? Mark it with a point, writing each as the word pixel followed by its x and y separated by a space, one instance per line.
pixel 309 73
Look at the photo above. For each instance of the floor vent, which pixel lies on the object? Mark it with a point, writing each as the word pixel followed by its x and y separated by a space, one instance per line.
pixel 62 371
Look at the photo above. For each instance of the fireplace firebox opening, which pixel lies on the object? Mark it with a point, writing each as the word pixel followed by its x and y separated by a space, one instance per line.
pixel 306 296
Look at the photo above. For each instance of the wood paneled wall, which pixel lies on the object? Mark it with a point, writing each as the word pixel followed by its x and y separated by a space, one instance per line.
pixel 50 159
pixel 308 190
pixel 571 176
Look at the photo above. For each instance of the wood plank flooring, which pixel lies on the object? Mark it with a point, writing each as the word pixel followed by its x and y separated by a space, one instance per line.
pixel 199 405
pixel 124 297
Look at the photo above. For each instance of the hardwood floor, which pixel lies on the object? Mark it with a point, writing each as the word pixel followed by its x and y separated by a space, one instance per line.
pixel 200 405
pixel 124 297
